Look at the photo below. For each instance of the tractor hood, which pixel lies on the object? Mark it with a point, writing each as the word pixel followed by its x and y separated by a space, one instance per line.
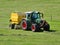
pixel 37 20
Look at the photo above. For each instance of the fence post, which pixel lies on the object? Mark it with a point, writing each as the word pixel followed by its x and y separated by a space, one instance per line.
pixel 51 17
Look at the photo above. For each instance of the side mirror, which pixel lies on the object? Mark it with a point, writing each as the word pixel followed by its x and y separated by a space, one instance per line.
pixel 41 14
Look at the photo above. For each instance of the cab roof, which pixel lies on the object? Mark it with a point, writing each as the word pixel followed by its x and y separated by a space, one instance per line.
pixel 32 12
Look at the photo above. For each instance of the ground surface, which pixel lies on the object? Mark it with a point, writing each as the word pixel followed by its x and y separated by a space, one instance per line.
pixel 51 10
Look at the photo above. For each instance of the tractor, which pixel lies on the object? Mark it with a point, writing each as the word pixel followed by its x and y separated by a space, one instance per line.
pixel 32 20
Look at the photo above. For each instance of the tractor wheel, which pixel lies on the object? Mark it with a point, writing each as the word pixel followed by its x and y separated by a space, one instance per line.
pixel 12 26
pixel 33 27
pixel 47 27
pixel 24 25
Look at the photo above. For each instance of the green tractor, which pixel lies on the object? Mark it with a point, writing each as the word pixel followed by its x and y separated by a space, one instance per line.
pixel 34 20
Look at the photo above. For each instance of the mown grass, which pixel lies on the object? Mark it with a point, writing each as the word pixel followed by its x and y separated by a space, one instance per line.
pixel 50 8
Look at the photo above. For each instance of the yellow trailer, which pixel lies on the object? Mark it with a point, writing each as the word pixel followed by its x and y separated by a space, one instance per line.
pixel 16 18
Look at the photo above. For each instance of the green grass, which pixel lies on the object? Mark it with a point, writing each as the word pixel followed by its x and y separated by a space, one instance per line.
pixel 20 37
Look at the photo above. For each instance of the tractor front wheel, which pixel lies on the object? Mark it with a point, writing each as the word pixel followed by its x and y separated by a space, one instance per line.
pixel 33 27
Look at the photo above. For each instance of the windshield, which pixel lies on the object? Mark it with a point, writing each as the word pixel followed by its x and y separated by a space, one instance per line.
pixel 36 15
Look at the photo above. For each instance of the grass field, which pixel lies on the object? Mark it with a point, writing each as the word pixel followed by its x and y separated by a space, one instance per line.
pixel 50 8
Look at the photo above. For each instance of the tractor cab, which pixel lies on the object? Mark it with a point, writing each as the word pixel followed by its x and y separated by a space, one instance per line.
pixel 34 16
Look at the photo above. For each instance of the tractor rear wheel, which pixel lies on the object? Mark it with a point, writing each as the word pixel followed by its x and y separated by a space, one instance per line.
pixel 24 25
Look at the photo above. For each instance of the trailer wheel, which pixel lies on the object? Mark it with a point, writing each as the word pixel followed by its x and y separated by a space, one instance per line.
pixel 16 27
pixel 47 27
pixel 33 27
pixel 12 26
pixel 24 24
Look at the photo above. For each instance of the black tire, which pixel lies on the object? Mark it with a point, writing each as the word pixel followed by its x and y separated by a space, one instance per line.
pixel 17 27
pixel 24 25
pixel 12 26
pixel 47 27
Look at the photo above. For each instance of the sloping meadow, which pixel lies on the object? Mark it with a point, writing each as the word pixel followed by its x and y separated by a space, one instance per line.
pixel 51 11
